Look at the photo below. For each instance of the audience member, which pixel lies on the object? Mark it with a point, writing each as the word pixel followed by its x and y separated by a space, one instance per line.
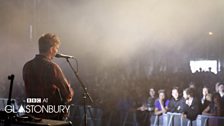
pixel 221 91
pixel 192 107
pixel 175 104
pixel 216 107
pixel 204 100
pixel 161 104
pixel 151 99
pixel 143 112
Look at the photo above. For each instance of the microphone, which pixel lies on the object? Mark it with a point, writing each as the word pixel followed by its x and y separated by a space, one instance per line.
pixel 59 55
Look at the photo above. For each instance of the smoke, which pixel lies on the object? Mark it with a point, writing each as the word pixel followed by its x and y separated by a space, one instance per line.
pixel 117 29
pixel 106 33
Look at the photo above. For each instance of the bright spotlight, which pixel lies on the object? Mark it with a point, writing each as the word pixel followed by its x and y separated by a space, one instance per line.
pixel 210 33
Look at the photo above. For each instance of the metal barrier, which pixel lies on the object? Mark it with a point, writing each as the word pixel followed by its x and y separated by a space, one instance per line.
pixel 203 120
pixel 176 119
pixel 129 119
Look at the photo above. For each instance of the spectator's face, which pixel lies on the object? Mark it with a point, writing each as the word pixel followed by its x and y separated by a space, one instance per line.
pixel 209 97
pixel 205 91
pixel 151 92
pixel 161 96
pixel 185 95
pixel 221 88
pixel 175 94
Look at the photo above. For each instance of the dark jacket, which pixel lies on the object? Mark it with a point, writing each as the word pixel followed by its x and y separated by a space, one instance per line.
pixel 175 105
pixel 194 110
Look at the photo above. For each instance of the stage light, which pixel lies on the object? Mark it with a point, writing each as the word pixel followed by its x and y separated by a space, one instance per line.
pixel 210 33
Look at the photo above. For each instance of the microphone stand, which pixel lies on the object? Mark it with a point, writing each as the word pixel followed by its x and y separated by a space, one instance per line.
pixel 9 102
pixel 85 92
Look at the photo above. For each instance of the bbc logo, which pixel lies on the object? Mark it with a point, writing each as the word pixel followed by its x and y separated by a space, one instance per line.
pixel 33 100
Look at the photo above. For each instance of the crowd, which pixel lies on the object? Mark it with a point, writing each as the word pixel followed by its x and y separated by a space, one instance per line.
pixel 188 104
pixel 117 92
pixel 185 93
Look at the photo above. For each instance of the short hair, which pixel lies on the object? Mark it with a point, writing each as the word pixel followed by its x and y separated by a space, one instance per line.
pixel 190 91
pixel 161 91
pixel 46 41
pixel 176 88
pixel 221 84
